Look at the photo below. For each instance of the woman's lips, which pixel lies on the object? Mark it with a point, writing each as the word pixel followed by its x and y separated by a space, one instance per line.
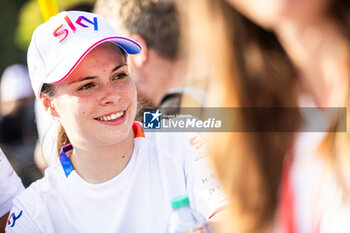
pixel 111 116
pixel 112 119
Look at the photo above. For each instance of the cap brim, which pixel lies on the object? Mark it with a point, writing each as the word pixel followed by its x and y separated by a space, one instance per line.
pixel 68 64
pixel 130 46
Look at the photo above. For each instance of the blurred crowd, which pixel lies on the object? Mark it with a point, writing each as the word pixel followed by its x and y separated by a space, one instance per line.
pixel 229 53
pixel 18 132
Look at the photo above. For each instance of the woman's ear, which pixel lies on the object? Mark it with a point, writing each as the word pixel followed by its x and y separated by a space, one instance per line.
pixel 48 104
pixel 141 58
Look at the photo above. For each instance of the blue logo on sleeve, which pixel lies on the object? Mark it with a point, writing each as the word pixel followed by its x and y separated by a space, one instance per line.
pixel 151 120
pixel 12 219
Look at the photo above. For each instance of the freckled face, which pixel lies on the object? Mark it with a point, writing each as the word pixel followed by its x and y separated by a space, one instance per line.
pixel 96 104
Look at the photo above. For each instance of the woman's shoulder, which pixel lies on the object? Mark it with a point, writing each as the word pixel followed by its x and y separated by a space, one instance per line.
pixel 162 138
pixel 175 138
pixel 30 207
pixel 177 146
pixel 51 182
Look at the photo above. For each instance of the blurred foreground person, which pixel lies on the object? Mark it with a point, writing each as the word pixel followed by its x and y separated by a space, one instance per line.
pixel 298 56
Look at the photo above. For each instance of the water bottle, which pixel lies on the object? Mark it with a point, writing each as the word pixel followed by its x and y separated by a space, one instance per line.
pixel 184 219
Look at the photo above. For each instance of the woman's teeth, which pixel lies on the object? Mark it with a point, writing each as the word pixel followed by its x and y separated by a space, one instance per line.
pixel 111 117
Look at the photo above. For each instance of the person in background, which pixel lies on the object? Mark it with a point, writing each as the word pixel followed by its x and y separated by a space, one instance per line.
pixel 159 70
pixel 17 121
pixel 10 186
pixel 108 167
pixel 278 54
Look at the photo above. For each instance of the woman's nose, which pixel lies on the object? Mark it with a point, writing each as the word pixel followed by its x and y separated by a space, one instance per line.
pixel 110 95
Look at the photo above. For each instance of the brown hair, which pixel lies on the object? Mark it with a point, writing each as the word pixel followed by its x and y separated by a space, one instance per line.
pixel 247 67
pixel 155 21
pixel 337 144
pixel 62 138
pixel 250 69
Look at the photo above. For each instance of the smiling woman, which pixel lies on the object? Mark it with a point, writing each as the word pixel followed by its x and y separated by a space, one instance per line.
pixel 98 94
pixel 103 94
pixel 110 174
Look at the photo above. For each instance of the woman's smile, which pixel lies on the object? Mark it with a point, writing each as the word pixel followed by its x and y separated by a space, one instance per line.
pixel 112 119
pixel 111 116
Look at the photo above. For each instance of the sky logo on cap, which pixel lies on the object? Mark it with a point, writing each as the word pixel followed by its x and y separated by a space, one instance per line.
pixel 81 21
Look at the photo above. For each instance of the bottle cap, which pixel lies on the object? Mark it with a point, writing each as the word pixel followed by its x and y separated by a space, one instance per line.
pixel 179 202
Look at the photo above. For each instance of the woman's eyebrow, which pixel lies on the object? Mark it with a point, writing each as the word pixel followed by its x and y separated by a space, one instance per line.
pixel 83 79
pixel 118 67
pixel 93 77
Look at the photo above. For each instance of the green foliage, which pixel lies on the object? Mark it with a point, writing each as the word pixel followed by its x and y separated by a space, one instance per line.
pixel 8 21
pixel 30 17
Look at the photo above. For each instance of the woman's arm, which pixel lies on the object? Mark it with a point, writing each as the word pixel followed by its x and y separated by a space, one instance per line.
pixel 3 221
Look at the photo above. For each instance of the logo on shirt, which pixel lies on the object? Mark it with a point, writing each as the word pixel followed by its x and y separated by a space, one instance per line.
pixel 151 120
pixel 12 219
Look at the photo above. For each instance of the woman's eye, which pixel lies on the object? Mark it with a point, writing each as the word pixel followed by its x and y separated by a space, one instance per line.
pixel 86 86
pixel 120 76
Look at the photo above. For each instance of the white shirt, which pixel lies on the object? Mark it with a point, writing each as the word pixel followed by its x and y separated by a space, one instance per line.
pixel 10 185
pixel 162 166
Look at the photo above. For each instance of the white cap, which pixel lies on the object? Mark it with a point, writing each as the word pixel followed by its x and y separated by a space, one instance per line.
pixel 60 44
pixel 15 83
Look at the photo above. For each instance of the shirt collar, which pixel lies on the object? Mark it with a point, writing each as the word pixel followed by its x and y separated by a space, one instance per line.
pixel 65 161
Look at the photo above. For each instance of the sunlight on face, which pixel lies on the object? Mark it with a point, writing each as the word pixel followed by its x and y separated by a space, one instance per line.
pixel 97 103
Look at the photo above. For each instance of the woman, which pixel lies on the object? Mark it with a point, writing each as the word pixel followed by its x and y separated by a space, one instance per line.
pixel 278 54
pixel 111 176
